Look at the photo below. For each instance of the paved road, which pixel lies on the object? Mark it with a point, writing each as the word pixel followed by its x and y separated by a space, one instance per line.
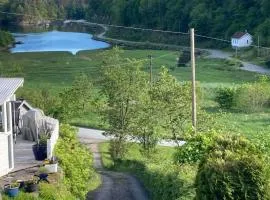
pixel 115 185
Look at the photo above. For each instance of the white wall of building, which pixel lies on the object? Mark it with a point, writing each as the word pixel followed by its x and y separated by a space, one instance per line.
pixel 6 139
pixel 244 41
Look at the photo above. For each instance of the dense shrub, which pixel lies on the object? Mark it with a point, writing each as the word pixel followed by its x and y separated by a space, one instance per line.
pixel 76 162
pixel 194 149
pixel 248 97
pixel 225 97
pixel 233 65
pixel 252 97
pixel 183 58
pixel 5 38
pixel 233 169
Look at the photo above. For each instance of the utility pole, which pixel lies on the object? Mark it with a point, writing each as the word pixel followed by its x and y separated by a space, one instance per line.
pixel 194 109
pixel 258 46
pixel 151 68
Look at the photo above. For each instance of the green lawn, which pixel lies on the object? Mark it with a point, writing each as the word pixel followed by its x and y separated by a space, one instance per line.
pixel 56 70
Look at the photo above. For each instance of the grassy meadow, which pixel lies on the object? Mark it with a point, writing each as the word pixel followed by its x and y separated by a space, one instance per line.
pixel 56 70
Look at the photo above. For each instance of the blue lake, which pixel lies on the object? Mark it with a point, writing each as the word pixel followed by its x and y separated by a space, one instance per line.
pixel 56 41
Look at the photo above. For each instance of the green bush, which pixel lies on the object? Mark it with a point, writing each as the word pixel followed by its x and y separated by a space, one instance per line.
pixel 233 65
pixel 225 97
pixel 5 38
pixel 253 97
pixel 194 149
pixel 76 162
pixel 233 169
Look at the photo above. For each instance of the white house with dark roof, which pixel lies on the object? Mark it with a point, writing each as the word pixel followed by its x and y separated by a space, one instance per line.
pixel 8 87
pixel 241 40
pixel 15 149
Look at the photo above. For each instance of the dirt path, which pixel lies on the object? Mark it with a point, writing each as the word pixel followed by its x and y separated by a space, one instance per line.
pixel 115 185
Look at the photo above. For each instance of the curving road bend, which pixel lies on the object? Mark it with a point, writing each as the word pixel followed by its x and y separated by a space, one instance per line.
pixel 246 65
pixel 115 185
pixel 213 53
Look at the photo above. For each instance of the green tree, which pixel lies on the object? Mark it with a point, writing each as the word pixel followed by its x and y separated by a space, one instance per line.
pixel 122 86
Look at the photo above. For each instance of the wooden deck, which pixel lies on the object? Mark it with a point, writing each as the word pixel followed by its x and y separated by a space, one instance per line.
pixel 23 155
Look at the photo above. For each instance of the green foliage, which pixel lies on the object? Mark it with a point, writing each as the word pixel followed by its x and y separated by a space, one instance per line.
pixel 54 192
pixel 22 196
pixel 76 162
pixel 195 148
pixel 122 87
pixel 46 192
pixel 74 99
pixel 6 38
pixel 163 179
pixel 253 97
pixel 233 169
pixel 183 59
pixel 11 69
pixel 225 97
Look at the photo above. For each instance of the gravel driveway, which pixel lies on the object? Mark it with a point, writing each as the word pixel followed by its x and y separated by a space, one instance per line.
pixel 115 185
pixel 246 65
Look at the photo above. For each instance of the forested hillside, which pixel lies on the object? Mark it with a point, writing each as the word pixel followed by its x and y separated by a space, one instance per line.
pixel 220 18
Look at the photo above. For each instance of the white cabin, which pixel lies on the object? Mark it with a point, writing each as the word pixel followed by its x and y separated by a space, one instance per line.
pixel 8 87
pixel 241 40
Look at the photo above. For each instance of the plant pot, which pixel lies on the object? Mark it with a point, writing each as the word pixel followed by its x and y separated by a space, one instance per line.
pixel 43 176
pixel 31 187
pixel 21 182
pixel 51 168
pixel 40 151
pixel 12 192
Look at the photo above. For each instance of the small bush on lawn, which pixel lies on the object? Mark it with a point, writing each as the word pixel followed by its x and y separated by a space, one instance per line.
pixel 233 169
pixel 76 162
pixel 225 97
pixel 253 97
pixel 195 148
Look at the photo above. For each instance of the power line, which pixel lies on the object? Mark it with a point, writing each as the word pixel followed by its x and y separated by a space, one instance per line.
pixel 120 26
pixel 131 27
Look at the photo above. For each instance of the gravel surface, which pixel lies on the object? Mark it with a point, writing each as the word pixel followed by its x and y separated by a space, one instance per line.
pixel 115 185
pixel 246 65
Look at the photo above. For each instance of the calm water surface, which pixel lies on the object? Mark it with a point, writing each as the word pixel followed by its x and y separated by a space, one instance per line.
pixel 56 41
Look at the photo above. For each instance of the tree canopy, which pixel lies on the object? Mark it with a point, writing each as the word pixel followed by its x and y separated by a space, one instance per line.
pixel 219 18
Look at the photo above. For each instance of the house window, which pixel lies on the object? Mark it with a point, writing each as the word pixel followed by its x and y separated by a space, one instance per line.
pixel 247 41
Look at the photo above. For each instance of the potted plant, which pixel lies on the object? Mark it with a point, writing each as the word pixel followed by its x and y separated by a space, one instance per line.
pixel 51 165
pixel 43 174
pixel 12 189
pixel 31 185
pixel 40 148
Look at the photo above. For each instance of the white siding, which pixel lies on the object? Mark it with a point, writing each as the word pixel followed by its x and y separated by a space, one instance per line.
pixel 54 137
pixel 244 41
pixel 4 158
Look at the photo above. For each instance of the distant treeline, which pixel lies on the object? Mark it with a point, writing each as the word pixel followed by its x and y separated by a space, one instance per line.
pixel 219 18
